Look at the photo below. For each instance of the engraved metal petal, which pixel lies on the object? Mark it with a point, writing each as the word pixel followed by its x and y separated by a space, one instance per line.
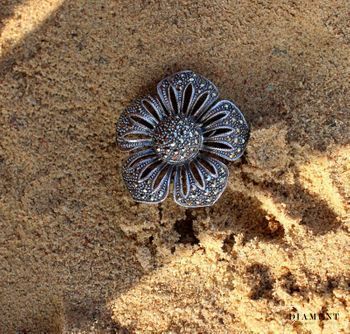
pixel 187 93
pixel 147 177
pixel 136 124
pixel 225 131
pixel 188 190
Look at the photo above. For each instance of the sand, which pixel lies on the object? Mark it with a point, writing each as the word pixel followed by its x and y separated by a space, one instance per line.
pixel 77 255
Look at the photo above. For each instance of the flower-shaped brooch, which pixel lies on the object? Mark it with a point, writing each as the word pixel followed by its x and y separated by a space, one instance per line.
pixel 183 133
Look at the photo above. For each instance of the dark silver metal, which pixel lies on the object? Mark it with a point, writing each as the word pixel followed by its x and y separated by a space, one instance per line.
pixel 182 133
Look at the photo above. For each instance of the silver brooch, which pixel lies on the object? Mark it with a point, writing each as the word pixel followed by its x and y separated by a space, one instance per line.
pixel 181 134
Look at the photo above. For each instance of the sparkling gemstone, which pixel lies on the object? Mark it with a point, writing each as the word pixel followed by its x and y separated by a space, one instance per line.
pixel 177 139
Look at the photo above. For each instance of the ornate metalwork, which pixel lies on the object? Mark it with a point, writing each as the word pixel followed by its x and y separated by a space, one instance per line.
pixel 183 133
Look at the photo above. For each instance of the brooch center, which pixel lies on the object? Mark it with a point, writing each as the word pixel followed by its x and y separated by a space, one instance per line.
pixel 177 139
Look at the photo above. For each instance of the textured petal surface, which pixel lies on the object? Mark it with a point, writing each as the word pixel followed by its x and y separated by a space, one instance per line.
pixel 198 185
pixel 135 125
pixel 188 93
pixel 147 177
pixel 225 131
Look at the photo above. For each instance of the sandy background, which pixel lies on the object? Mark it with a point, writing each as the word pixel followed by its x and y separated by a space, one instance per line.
pixel 78 255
